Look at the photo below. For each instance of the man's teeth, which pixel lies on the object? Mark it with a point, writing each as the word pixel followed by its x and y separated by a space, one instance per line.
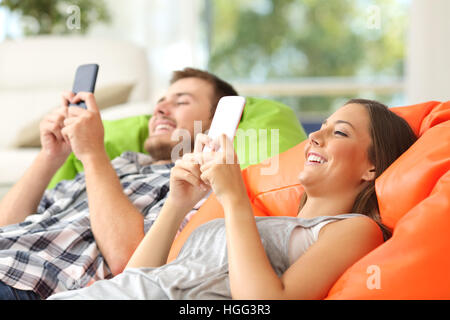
pixel 313 158
pixel 163 126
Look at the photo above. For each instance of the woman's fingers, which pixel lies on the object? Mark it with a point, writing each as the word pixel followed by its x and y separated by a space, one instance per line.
pixel 181 174
pixel 189 165
pixel 202 140
pixel 228 149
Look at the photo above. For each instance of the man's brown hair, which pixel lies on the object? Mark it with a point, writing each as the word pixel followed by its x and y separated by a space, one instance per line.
pixel 221 88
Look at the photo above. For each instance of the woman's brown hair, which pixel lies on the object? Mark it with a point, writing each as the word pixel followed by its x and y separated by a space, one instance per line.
pixel 391 136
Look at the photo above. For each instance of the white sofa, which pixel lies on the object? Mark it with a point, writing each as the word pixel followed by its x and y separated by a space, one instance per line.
pixel 34 72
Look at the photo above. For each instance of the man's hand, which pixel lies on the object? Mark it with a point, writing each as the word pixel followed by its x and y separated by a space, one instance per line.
pixel 54 146
pixel 84 128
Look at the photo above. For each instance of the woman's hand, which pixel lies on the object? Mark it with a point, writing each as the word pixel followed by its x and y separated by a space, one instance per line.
pixel 186 187
pixel 220 169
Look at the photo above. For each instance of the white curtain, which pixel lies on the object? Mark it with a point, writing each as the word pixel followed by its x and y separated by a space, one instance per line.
pixel 428 54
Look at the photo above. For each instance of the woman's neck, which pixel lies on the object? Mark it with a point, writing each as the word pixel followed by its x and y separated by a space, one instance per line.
pixel 326 206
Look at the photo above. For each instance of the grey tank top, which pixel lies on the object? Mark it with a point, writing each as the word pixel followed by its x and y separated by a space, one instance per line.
pixel 201 269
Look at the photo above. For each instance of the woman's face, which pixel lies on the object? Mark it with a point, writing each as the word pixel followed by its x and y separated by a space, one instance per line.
pixel 336 157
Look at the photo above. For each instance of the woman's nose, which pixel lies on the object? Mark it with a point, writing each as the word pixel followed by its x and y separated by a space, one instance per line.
pixel 315 138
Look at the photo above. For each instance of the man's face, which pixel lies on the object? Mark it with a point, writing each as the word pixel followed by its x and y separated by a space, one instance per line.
pixel 187 100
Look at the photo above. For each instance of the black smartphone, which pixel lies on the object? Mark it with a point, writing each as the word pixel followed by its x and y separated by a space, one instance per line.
pixel 85 78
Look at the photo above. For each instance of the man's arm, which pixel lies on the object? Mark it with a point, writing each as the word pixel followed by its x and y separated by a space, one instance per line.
pixel 25 195
pixel 117 225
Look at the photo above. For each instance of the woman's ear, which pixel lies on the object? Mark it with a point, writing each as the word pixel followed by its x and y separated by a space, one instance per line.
pixel 369 175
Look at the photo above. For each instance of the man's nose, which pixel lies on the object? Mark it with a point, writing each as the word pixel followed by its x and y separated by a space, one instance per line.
pixel 163 108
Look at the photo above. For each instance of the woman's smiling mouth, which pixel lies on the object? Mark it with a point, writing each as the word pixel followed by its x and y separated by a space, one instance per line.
pixel 315 159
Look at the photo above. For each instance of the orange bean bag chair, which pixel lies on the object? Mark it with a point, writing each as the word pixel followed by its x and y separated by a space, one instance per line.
pixel 414 200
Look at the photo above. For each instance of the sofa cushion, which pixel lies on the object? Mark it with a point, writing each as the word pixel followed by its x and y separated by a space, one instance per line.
pixel 413 263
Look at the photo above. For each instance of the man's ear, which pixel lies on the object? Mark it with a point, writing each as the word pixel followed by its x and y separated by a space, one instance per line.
pixel 369 175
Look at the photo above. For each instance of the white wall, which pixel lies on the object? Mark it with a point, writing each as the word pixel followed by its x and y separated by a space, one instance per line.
pixel 428 62
pixel 170 30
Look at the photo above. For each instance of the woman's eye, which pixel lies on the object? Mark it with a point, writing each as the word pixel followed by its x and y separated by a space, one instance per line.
pixel 341 133
pixel 182 102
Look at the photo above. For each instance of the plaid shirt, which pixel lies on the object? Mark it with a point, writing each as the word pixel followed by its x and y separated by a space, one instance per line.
pixel 54 250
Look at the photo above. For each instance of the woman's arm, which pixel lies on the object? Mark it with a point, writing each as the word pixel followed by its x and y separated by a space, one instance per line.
pixel 186 189
pixel 154 248
pixel 251 274
pixel 250 271
pixel 339 246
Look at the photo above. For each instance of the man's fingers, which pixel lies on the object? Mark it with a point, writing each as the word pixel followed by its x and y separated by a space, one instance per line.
pixel 88 98
pixel 55 118
pixel 69 121
pixel 53 128
pixel 66 97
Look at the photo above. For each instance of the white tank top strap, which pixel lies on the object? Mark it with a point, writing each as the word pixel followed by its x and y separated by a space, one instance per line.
pixel 316 229
pixel 307 232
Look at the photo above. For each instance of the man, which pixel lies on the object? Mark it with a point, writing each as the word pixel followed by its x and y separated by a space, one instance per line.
pixel 72 241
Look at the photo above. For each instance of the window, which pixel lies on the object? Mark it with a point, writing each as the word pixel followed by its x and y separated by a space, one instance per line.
pixel 313 55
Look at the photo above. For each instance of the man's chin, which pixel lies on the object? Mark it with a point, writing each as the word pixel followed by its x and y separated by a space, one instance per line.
pixel 159 149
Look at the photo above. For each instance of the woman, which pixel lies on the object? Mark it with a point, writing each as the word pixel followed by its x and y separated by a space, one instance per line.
pixel 243 257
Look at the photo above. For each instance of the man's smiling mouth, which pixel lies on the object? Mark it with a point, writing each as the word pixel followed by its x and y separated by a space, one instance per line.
pixel 163 126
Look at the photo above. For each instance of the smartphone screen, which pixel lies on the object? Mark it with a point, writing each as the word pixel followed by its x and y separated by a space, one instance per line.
pixel 226 118
pixel 85 79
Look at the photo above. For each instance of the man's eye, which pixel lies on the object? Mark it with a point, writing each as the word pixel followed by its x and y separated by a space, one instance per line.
pixel 341 133
pixel 182 102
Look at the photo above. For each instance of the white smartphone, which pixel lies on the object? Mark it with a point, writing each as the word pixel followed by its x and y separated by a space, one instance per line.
pixel 226 118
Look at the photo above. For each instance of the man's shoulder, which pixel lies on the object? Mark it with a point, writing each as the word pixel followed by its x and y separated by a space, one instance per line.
pixel 139 162
pixel 133 157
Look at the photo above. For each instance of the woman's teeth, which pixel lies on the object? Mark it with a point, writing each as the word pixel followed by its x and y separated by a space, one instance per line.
pixel 313 158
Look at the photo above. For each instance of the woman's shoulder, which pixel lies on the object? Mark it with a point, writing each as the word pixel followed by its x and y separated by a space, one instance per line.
pixel 360 228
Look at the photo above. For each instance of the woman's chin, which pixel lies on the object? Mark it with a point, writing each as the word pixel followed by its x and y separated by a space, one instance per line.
pixel 304 178
pixel 306 175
